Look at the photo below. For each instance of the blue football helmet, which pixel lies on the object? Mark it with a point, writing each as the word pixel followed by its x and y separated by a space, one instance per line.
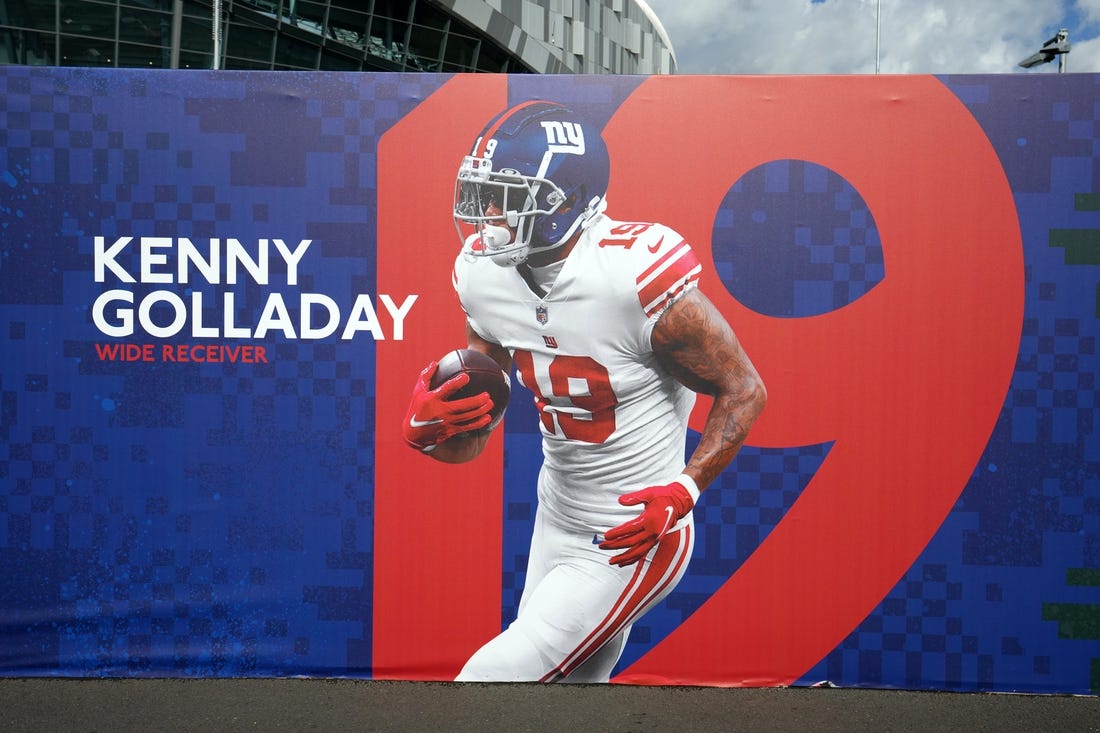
pixel 536 175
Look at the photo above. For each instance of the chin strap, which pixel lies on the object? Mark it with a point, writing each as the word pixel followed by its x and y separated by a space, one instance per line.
pixel 595 207
pixel 588 217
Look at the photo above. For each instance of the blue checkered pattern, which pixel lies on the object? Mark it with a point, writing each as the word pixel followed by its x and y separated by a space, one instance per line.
pixel 188 519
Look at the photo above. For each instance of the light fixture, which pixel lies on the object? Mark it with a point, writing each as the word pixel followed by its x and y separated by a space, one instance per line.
pixel 1057 47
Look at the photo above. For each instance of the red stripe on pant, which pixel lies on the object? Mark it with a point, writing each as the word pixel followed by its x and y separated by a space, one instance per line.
pixel 649 581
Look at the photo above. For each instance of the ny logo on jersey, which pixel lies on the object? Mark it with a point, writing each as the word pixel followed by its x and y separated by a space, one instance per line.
pixel 564 137
pixel 550 342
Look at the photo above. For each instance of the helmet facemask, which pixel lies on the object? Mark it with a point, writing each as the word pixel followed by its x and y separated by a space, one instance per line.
pixel 503 208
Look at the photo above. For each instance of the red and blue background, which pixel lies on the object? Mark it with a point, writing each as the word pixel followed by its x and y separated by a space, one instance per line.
pixel 911 263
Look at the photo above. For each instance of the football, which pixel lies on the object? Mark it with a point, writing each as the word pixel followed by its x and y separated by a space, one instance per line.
pixel 485 376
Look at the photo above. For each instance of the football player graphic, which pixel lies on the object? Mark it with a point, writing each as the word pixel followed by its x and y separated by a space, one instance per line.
pixel 606 326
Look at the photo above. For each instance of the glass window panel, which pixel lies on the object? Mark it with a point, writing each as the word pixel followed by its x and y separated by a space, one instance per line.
pixel 133 55
pixel 460 52
pixel 194 9
pixel 76 51
pixel 338 62
pixel 388 32
pixel 193 60
pixel 424 48
pixel 378 63
pixel 268 6
pixel 347 26
pixel 429 15
pixel 162 5
pixel 493 59
pixel 197 35
pixel 33 14
pixel 29 48
pixel 352 16
pixel 294 54
pixel 239 63
pixel 309 15
pixel 398 9
pixel 143 26
pixel 249 42
pixel 87 19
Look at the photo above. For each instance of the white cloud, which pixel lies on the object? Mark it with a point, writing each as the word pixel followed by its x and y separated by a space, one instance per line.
pixel 838 36
pixel 1090 10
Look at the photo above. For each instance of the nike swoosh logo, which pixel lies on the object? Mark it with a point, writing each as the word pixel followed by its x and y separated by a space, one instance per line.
pixel 654 247
pixel 668 522
pixel 414 423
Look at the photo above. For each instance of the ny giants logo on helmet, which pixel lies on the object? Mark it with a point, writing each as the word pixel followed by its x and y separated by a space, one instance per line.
pixel 564 137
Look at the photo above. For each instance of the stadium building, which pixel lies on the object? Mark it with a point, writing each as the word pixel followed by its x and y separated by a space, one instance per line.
pixel 512 36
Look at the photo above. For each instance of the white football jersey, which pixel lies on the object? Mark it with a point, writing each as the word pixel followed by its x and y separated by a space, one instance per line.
pixel 613 420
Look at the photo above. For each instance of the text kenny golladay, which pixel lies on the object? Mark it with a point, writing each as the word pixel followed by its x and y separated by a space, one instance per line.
pixel 226 262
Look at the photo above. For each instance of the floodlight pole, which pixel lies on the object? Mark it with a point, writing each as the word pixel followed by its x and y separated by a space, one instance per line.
pixel 216 11
pixel 177 30
pixel 878 32
pixel 1062 43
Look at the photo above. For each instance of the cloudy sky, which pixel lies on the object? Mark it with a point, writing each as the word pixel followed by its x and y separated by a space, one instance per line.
pixel 838 36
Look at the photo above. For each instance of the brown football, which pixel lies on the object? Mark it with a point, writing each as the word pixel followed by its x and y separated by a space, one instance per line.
pixel 485 376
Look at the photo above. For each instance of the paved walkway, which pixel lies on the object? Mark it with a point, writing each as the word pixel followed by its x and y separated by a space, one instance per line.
pixel 345 705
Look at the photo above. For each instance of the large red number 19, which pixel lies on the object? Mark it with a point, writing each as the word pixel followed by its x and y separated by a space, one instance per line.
pixel 583 383
pixel 906 382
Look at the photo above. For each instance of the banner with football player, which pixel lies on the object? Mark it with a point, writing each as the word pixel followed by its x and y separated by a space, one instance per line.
pixel 799 377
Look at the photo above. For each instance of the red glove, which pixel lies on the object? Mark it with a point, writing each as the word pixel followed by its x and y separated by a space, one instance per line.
pixel 433 417
pixel 664 507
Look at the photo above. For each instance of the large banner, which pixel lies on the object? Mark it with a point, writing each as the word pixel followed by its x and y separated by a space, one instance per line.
pixel 218 290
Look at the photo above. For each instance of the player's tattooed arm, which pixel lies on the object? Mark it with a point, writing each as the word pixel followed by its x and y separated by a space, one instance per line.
pixel 468 446
pixel 693 341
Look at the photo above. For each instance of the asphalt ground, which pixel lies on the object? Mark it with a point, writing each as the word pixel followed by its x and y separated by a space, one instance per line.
pixel 172 705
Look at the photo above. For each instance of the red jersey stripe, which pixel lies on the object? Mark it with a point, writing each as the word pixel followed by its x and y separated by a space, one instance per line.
pixel 671 295
pixel 672 284
pixel 660 261
pixel 666 276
